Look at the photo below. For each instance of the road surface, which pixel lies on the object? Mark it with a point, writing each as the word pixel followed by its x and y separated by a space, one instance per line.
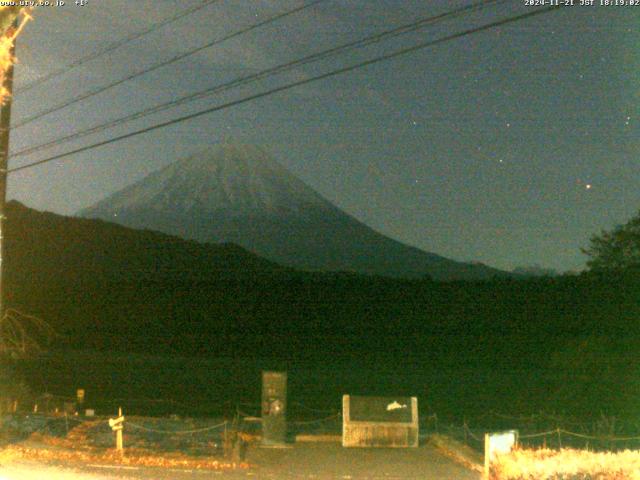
pixel 302 461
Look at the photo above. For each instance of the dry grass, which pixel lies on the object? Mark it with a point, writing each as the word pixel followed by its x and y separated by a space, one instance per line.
pixel 132 457
pixel 76 448
pixel 566 464
pixel 7 455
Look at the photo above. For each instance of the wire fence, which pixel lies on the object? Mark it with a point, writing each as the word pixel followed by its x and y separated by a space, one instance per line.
pixel 317 421
pixel 50 403
pixel 535 430
pixel 544 430
pixel 219 426
pixel 142 406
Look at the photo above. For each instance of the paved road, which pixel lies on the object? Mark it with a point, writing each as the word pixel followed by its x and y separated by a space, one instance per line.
pixel 316 461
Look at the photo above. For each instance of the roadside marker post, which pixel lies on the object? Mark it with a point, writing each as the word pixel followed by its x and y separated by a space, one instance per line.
pixel 496 444
pixel 117 424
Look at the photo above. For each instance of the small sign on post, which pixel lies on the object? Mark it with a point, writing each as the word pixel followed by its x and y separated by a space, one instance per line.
pixel 80 396
pixel 117 424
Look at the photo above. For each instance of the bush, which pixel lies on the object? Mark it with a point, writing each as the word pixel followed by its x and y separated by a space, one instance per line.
pixel 567 464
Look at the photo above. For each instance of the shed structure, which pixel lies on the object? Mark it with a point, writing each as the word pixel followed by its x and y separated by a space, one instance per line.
pixel 379 421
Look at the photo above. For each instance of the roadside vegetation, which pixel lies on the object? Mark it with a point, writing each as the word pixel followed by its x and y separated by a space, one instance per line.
pixel 566 464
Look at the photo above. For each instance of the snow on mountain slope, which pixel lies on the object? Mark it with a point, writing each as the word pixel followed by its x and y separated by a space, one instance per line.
pixel 239 194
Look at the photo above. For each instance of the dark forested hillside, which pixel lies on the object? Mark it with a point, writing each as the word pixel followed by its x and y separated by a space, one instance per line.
pixel 106 287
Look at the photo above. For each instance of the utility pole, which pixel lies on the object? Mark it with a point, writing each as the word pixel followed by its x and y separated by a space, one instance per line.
pixel 5 123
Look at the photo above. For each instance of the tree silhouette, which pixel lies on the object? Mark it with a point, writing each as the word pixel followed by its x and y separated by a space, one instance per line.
pixel 615 250
pixel 23 336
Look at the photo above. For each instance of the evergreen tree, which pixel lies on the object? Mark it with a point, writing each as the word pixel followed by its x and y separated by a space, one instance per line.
pixel 615 250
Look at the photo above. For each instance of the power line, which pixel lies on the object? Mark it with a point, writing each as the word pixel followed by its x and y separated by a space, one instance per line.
pixel 164 63
pixel 113 46
pixel 375 38
pixel 289 86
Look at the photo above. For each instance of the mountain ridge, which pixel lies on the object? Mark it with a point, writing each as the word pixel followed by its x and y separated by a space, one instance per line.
pixel 239 194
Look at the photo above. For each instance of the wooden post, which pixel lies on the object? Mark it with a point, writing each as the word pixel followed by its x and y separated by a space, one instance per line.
pixel 117 424
pixel 5 123
pixel 119 445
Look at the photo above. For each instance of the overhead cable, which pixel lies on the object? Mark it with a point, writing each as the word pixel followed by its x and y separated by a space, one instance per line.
pixel 289 86
pixel 237 82
pixel 110 48
pixel 156 66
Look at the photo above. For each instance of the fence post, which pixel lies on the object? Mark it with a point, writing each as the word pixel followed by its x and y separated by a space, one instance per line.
pixel 486 457
pixel 466 435
pixel 559 438
pixel 119 445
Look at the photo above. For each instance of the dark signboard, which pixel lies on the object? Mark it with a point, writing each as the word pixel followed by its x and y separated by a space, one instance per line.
pixel 274 408
pixel 379 421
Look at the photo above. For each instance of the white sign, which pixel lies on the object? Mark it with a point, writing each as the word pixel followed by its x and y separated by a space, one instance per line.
pixel 500 443
pixel 497 444
pixel 116 423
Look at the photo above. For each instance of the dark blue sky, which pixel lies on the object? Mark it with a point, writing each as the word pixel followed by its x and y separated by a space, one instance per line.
pixel 510 147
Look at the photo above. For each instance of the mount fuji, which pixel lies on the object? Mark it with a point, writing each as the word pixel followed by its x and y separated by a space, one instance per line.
pixel 239 194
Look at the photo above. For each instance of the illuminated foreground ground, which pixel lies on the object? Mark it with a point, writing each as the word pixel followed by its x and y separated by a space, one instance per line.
pixel 309 460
